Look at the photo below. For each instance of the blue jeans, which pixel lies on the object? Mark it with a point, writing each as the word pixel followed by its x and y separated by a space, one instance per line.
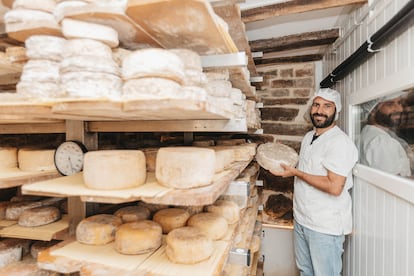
pixel 316 253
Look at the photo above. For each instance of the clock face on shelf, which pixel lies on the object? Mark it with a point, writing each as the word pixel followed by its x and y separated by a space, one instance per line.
pixel 69 157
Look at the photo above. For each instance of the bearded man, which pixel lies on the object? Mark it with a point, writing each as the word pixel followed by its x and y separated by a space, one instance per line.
pixel 380 147
pixel 322 205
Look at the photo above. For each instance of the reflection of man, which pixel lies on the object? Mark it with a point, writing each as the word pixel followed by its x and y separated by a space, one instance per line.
pixel 380 147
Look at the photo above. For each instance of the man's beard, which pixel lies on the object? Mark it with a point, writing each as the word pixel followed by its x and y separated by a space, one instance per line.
pixel 319 124
pixel 386 120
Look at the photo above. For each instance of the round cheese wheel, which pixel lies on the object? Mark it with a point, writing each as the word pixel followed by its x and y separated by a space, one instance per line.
pixel 9 254
pixel 84 46
pixel 171 218
pixel 24 19
pixel 15 209
pixel 133 213
pixel 188 245
pixel 63 6
pixel 138 237
pixel 39 216
pixel 150 88
pixel 8 157
pixel 153 62
pixel 97 229
pixel 88 63
pixel 185 167
pixel 43 5
pixel 214 226
pixel 225 208
pixel 36 159
pixel 271 155
pixel 39 90
pixel 40 70
pixel 114 169
pixel 72 28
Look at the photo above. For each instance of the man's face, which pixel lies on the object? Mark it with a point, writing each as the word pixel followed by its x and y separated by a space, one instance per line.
pixel 389 113
pixel 322 113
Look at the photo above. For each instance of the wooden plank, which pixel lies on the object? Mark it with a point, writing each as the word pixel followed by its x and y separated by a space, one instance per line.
pixel 290 59
pixel 27 126
pixel 294 6
pixel 44 233
pixel 131 35
pixel 192 25
pixel 15 177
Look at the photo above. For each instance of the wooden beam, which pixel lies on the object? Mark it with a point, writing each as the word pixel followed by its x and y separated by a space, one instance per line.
pixel 294 6
pixel 290 59
pixel 295 41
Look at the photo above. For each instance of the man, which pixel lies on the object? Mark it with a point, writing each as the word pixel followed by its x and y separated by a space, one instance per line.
pixel 322 205
pixel 380 146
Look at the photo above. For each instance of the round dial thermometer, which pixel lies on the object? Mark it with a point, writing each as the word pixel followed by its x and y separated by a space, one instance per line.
pixel 69 157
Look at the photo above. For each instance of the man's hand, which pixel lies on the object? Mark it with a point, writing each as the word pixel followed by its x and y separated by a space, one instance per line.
pixel 287 171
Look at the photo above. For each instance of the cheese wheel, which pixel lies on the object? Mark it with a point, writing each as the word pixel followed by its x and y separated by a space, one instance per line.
pixel 24 19
pixel 39 90
pixel 8 157
pixel 36 159
pixel 151 88
pixel 97 229
pixel 171 218
pixel 271 155
pixel 9 253
pixel 84 46
pixel 225 208
pixel 43 5
pixel 188 245
pixel 40 70
pixel 185 167
pixel 15 209
pixel 88 63
pixel 39 216
pixel 138 237
pixel 214 226
pixel 191 59
pixel 72 28
pixel 63 6
pixel 153 62
pixel 114 169
pixel 133 213
pixel 194 78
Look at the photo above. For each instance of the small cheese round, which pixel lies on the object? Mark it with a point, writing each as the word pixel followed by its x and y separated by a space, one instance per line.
pixel 88 63
pixel 271 155
pixel 188 245
pixel 133 213
pixel 185 167
pixel 39 216
pixel 97 229
pixel 43 5
pixel 15 209
pixel 17 20
pixel 36 159
pixel 226 208
pixel 212 225
pixel 8 157
pixel 114 169
pixel 72 28
pixel 171 218
pixel 138 237
pixel 84 46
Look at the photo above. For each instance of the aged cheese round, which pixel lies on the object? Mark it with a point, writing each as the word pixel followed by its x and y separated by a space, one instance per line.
pixel 39 216
pixel 39 90
pixel 214 226
pixel 36 159
pixel 133 213
pixel 114 169
pixel 85 46
pixel 91 85
pixel 188 245
pixel 226 208
pixel 150 88
pixel 138 237
pixel 97 229
pixel 72 28
pixel 185 167
pixel 24 19
pixel 15 209
pixel 43 5
pixel 153 62
pixel 271 155
pixel 171 218
pixel 40 70
pixel 88 63
pixel 9 254
pixel 8 157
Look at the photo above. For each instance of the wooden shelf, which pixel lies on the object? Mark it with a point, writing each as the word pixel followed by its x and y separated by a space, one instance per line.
pixel 15 177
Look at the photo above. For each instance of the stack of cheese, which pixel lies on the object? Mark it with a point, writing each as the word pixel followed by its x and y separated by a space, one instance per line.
pixel 27 159
pixel 40 76
pixel 30 16
pixel 87 68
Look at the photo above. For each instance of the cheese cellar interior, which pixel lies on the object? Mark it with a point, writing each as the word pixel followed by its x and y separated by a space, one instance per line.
pixel 139 137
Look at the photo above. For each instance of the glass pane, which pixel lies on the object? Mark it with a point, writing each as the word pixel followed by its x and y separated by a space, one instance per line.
pixel 385 133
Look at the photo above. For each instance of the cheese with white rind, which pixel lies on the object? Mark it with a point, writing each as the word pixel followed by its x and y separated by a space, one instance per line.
pixel 185 167
pixel 45 47
pixel 138 237
pixel 171 218
pixel 133 213
pixel 40 70
pixel 188 245
pixel 8 158
pixel 225 208
pixel 34 160
pixel 43 5
pixel 15 209
pixel 212 225
pixel 97 229
pixel 151 88
pixel 39 216
pixel 191 59
pixel 72 28
pixel 40 90
pixel 88 63
pixel 114 169
pixel 271 155
pixel 85 46
pixel 24 19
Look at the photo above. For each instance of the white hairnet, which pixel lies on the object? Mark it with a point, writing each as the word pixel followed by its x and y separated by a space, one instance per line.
pixel 326 94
